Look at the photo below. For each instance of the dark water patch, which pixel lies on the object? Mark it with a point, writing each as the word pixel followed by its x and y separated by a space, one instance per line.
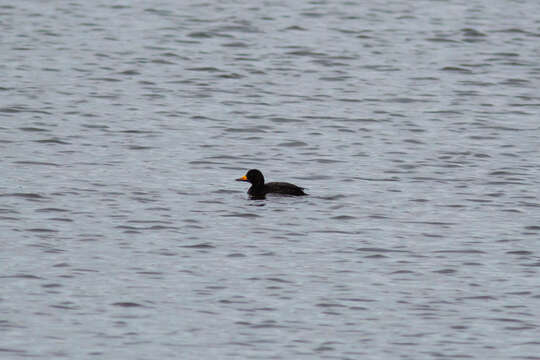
pixel 11 350
pixel 293 143
pixel 440 39
pixel 158 208
pixel 330 231
pixel 42 230
pixel 305 52
pixel 95 126
pixel 294 28
pixel 61 219
pixel 67 305
pixel 505 128
pixel 481 156
pixel 344 217
pixel 39 163
pixel 52 141
pixel 445 112
pixel 127 304
pixel 208 69
pixel 236 300
pixel 204 118
pixel 380 68
pixel 405 100
pixel 231 76
pixel 6 324
pixel 515 211
pixel 357 300
pixel 507 54
pixel 236 255
pixel 345 100
pixel 51 285
pixel 153 273
pixel 85 271
pixel 242 215
pixel 470 32
pixel 378 217
pixel 515 82
pixel 21 276
pixel 106 79
pixel 456 69
pixel 224 157
pixel 329 305
pixel 285 120
pixel 460 251
pixel 153 227
pixel 481 201
pixel 391 179
pixel 51 250
pixel 430 235
pixel 137 131
pixel 416 142
pixel 33 129
pixel 519 293
pixel 162 62
pixel 260 129
pixel 477 83
pixel 159 222
pixel 220 191
pixel 199 246
pixel 507 320
pixel 236 44
pixel 21 109
pixel 480 297
pixel 376 256
pixel 325 161
pixel 62 264
pixel 9 218
pixel 140 147
pixel 498 183
pixel 269 324
pixel 512 31
pixel 203 162
pixel 164 252
pixel 202 34
pixel 445 271
pixel 30 196
pixel 129 72
pixel 238 27
pixel 401 272
pixel 279 280
pixel 380 250
pixel 129 229
pixel 335 78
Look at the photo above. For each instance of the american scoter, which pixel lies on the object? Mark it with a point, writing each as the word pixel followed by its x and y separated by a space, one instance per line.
pixel 259 189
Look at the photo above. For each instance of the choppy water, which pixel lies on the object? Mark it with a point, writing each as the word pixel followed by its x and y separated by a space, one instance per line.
pixel 413 125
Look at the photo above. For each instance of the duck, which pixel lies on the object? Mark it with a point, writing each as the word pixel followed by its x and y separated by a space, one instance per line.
pixel 259 188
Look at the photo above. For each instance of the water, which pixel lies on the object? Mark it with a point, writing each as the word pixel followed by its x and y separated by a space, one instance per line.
pixel 413 126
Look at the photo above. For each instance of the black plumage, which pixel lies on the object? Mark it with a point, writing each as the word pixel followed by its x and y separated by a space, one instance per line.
pixel 259 188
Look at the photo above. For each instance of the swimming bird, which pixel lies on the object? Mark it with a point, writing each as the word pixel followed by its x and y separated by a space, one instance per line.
pixel 259 189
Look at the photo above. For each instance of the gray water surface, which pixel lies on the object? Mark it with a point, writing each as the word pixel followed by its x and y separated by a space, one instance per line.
pixel 414 127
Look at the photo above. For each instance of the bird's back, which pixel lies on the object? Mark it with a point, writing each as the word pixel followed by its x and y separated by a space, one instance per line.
pixel 283 188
